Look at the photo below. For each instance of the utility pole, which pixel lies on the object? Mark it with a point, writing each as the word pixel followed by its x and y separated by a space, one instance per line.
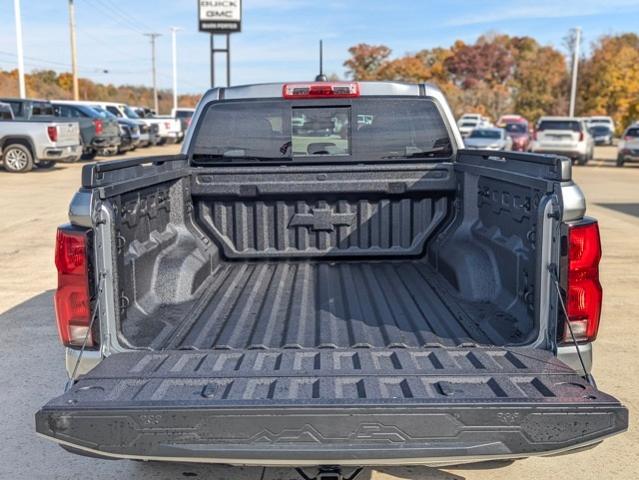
pixel 575 68
pixel 174 30
pixel 153 36
pixel 16 8
pixel 74 52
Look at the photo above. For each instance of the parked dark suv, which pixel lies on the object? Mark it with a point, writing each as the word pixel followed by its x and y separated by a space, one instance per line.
pixel 99 135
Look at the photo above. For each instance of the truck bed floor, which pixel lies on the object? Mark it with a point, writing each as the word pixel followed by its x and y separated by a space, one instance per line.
pixel 333 305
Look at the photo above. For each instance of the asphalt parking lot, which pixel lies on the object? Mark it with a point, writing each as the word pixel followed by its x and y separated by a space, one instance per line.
pixel 33 204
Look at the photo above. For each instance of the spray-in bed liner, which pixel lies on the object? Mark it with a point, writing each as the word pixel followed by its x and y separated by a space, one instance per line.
pixel 345 304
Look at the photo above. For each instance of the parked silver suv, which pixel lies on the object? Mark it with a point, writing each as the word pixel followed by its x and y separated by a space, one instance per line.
pixel 568 136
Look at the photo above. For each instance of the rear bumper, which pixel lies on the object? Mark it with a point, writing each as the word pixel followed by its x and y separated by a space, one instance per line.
pixel 62 154
pixel 106 142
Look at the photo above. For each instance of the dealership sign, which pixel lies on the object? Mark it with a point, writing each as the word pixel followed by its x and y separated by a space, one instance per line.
pixel 220 16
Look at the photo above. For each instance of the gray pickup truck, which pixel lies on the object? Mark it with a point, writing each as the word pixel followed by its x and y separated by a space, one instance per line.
pixel 324 277
pixel 35 139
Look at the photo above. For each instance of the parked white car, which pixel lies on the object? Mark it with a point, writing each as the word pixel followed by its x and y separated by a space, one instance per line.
pixel 628 148
pixel 568 136
pixel 490 138
pixel 469 121
pixel 601 121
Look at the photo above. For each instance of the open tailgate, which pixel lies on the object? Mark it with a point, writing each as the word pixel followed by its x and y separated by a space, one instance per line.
pixel 331 406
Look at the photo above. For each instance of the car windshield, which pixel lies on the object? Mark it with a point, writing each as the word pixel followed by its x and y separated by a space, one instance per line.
pixel 481 133
pixel 516 128
pixel 573 125
pixel 129 112
pixel 632 132
pixel 361 130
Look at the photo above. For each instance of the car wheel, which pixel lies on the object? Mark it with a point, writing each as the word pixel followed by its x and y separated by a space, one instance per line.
pixel 90 155
pixel 17 158
pixel 45 164
pixel 620 160
pixel 582 159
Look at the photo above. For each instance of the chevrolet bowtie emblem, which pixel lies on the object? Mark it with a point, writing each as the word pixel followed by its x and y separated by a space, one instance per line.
pixel 321 219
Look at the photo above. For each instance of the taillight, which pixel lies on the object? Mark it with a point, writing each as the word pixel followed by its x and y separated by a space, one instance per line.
pixel 52 132
pixel 99 126
pixel 581 136
pixel 321 90
pixel 583 290
pixel 72 298
pixel 167 125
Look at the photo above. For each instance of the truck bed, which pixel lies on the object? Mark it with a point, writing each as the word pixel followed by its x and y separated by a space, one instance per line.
pixel 326 304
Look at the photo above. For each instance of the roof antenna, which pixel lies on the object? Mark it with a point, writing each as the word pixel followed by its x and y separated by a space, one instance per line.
pixel 321 77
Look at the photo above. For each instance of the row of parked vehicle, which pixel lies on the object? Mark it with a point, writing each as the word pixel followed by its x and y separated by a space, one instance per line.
pixel 574 137
pixel 39 133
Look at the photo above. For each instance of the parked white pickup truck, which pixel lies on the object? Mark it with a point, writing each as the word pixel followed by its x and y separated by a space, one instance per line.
pixel 41 143
pixel 169 128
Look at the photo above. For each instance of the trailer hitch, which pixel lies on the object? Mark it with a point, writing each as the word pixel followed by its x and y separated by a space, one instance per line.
pixel 329 472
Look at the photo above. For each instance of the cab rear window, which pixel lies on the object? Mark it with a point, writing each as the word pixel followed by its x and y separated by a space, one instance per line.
pixel 366 129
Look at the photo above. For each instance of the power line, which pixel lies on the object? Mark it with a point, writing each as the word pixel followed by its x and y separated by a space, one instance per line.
pixel 127 17
pixel 115 18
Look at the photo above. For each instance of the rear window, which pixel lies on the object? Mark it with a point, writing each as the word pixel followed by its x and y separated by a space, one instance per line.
pixel 479 133
pixel 632 132
pixel 559 125
pixel 39 109
pixel 469 124
pixel 367 129
pixel 183 114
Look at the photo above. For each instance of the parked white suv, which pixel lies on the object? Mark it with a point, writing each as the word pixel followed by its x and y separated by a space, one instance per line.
pixel 628 148
pixel 566 136
pixel 470 121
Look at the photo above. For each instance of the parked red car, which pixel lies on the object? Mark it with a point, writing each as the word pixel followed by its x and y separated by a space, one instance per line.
pixel 520 134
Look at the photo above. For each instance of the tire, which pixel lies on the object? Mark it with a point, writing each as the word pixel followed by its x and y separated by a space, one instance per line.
pixel 17 158
pixel 582 159
pixel 620 160
pixel 89 155
pixel 44 164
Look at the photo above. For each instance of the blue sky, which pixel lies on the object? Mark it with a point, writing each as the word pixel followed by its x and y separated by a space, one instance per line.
pixel 279 37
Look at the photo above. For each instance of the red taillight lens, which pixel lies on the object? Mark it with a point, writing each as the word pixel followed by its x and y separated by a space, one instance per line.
pixel 52 132
pixel 321 90
pixel 167 125
pixel 583 293
pixel 581 136
pixel 99 126
pixel 72 299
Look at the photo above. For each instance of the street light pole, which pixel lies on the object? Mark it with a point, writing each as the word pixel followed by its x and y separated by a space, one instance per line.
pixel 16 8
pixel 74 53
pixel 153 36
pixel 575 68
pixel 174 30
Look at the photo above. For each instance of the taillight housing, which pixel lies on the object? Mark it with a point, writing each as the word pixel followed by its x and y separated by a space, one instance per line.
pixel 321 90
pixel 52 132
pixel 581 136
pixel 583 291
pixel 99 126
pixel 72 297
pixel 167 125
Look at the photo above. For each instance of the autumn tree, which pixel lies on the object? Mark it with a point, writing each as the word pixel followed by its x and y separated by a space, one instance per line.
pixel 366 61
pixel 609 79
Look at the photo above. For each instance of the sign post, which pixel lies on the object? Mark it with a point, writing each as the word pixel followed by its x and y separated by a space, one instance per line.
pixel 220 17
